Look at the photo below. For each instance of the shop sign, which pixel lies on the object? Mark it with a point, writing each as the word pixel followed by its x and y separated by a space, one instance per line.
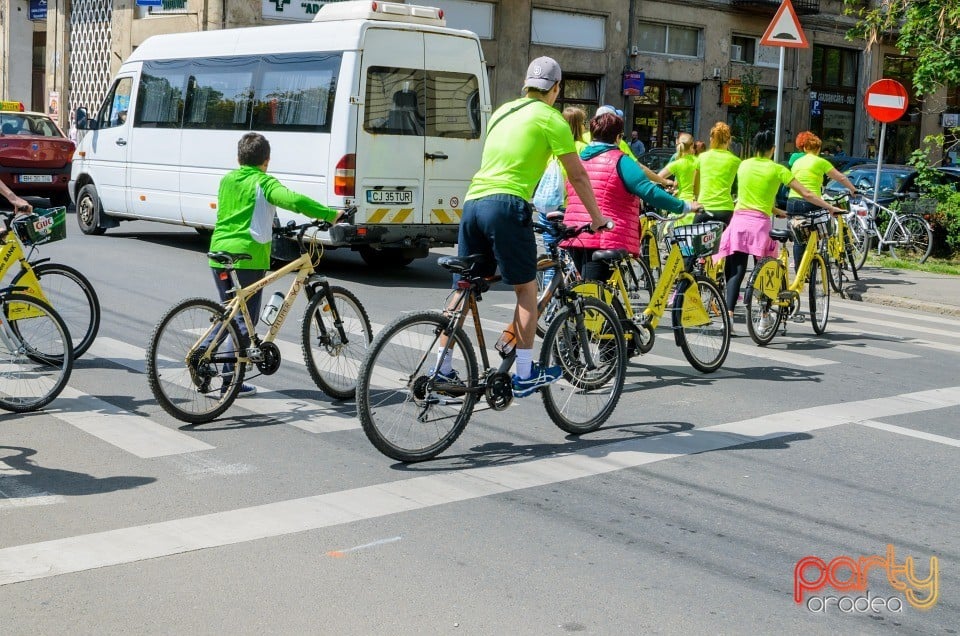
pixel 38 9
pixel 633 82
pixel 834 98
pixel 164 7
pixel 733 92
pixel 294 9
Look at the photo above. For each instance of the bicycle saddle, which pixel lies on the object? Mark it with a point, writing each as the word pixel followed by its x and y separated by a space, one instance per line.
pixel 227 258
pixel 780 235
pixel 459 264
pixel 609 255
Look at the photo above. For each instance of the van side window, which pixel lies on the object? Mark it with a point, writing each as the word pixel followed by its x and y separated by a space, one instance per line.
pixel 453 105
pixel 115 106
pixel 220 93
pixel 296 92
pixel 161 92
pixel 395 101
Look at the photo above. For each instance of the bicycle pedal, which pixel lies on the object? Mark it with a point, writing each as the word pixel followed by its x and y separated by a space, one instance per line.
pixel 799 318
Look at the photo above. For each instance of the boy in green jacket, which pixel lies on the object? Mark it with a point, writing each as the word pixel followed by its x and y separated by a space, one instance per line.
pixel 246 205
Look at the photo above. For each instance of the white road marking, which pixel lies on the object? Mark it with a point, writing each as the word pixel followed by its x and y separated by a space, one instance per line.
pixel 897 328
pixel 116 426
pixel 940 346
pixel 15 493
pixel 890 312
pixel 748 348
pixel 129 545
pixel 909 432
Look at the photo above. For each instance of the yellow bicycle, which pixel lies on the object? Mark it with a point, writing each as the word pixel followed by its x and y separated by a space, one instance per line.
pixel 196 358
pixel 770 299
pixel 698 311
pixel 843 250
pixel 61 286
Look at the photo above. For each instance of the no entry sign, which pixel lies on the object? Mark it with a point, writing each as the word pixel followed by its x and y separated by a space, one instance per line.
pixel 886 100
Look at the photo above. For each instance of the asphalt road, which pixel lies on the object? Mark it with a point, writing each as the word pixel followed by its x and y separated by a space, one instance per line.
pixel 686 514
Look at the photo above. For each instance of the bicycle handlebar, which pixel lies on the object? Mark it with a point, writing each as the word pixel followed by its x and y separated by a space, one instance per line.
pixel 563 232
pixel 293 228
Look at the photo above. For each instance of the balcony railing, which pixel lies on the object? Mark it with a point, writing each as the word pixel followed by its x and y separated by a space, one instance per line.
pixel 802 7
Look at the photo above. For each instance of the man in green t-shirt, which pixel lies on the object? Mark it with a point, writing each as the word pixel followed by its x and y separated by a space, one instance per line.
pixel 246 204
pixel 522 136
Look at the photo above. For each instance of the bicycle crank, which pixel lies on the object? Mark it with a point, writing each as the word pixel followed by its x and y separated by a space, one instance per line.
pixel 269 360
pixel 499 391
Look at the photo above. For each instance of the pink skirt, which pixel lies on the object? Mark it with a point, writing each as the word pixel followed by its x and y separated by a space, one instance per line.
pixel 748 232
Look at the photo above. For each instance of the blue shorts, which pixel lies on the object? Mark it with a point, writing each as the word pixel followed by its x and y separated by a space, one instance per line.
pixel 500 227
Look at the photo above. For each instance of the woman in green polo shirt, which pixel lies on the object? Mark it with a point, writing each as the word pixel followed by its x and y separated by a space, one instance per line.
pixel 713 177
pixel 811 170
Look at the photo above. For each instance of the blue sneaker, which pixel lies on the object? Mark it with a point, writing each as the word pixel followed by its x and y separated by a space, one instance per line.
pixel 538 378
pixel 246 390
pixel 455 386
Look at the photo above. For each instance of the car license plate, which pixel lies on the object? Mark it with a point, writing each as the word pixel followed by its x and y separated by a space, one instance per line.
pixel 36 178
pixel 390 197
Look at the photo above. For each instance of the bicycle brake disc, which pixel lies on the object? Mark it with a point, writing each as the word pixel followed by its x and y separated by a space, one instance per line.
pixel 499 391
pixel 269 360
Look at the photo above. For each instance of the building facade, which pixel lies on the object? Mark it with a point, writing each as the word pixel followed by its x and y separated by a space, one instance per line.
pixel 687 60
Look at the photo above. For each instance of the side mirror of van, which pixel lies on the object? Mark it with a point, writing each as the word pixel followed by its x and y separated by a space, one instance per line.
pixel 83 119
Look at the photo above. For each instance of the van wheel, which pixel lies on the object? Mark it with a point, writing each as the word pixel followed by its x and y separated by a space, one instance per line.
pixel 88 210
pixel 384 258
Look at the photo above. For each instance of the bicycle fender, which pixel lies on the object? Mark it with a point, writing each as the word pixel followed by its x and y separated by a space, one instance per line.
pixel 692 312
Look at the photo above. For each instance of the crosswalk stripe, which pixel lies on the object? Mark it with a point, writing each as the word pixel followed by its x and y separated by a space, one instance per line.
pixel 896 328
pixel 177 536
pixel 14 493
pixel 909 432
pixel 135 434
pixel 770 354
pixel 891 312
pixel 907 340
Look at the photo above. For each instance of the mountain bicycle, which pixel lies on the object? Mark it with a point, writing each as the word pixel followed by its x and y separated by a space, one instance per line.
pixel 770 300
pixel 842 252
pixel 36 356
pixel 698 311
pixel 62 286
pixel 908 235
pixel 411 412
pixel 194 368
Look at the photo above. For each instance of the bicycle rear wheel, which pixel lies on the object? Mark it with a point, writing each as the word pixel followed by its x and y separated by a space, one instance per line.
pixel 586 394
pixel 73 298
pixel 819 295
pixel 763 288
pixel 334 364
pixel 912 239
pixel 702 333
pixel 861 239
pixel 639 282
pixel 407 412
pixel 850 250
pixel 36 356
pixel 193 382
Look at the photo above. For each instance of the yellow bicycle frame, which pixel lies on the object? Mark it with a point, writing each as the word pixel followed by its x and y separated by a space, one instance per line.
pixel 10 252
pixel 772 284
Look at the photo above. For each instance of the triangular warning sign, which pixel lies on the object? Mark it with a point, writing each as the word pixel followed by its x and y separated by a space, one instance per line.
pixel 785 29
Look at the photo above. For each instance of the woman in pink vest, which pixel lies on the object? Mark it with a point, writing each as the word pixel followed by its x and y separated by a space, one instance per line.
pixel 618 181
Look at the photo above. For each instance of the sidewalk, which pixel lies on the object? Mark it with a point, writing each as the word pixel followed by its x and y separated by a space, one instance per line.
pixel 934 293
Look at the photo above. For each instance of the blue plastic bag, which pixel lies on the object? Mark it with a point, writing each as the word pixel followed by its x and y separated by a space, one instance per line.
pixel 551 189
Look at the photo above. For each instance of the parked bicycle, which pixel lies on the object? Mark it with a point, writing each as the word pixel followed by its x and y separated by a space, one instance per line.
pixel 194 367
pixel 410 412
pixel 771 299
pixel 63 287
pixel 842 252
pixel 907 235
pixel 36 356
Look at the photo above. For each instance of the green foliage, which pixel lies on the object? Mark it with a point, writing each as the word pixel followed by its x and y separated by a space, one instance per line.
pixel 927 29
pixel 746 122
pixel 946 220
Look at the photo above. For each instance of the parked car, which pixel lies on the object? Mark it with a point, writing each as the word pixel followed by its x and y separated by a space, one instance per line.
pixel 656 158
pixel 35 155
pixel 896 181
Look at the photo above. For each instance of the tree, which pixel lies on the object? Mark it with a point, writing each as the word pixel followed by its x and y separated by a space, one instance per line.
pixel 748 114
pixel 929 30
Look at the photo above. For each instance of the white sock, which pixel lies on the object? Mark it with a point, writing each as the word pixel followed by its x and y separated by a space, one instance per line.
pixel 524 363
pixel 446 362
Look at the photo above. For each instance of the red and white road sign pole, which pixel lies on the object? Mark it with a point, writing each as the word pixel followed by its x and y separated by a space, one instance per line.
pixel 886 100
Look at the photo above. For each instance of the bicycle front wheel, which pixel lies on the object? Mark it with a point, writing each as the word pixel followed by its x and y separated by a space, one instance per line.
pixel 912 239
pixel 819 292
pixel 835 258
pixel 850 250
pixel 701 326
pixel 36 356
pixel 408 411
pixel 334 354
pixel 764 314
pixel 860 241
pixel 194 381
pixel 589 348
pixel 73 298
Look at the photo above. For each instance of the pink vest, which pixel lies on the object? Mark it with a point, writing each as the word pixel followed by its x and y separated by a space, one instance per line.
pixel 615 202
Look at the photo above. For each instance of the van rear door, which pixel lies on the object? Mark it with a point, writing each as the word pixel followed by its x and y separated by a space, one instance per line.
pixel 390 137
pixel 455 86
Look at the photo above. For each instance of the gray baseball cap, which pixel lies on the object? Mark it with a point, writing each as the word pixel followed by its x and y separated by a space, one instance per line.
pixel 542 74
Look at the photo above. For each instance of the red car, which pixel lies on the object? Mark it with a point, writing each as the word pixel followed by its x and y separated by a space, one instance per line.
pixel 35 156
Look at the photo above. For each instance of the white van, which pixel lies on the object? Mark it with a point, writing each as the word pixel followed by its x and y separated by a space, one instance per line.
pixel 373 104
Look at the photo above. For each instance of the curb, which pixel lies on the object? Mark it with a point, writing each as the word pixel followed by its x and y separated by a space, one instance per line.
pixel 906 303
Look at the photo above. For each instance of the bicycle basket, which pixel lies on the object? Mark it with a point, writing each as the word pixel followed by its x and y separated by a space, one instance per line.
pixel 800 227
pixel 701 239
pixel 42 226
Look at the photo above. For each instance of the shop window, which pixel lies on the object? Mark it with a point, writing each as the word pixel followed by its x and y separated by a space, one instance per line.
pixel 668 39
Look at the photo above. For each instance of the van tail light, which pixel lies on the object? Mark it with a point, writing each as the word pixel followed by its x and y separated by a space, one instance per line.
pixel 344 177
